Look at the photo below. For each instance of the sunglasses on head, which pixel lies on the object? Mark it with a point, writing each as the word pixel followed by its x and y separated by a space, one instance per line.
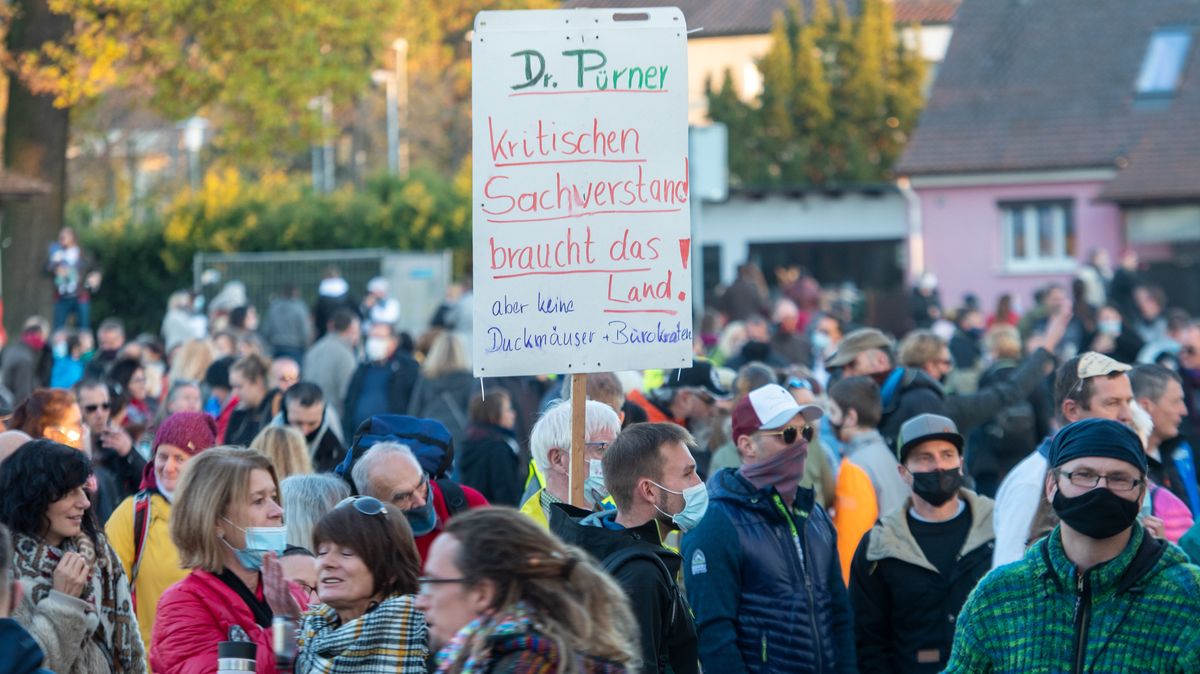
pixel 91 409
pixel 789 434
pixel 797 382
pixel 367 505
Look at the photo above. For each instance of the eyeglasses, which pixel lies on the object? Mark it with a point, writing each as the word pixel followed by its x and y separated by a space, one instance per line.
pixel 601 446
pixel 402 499
pixel 427 583
pixel 789 434
pixel 308 589
pixel 1089 480
pixel 367 505
pixel 91 409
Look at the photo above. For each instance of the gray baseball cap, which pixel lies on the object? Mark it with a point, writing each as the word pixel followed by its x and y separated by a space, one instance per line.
pixel 924 427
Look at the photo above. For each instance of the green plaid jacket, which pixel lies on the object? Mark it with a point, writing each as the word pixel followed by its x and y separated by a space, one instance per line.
pixel 1144 613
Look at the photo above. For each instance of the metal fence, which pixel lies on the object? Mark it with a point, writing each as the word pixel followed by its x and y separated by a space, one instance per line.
pixel 418 280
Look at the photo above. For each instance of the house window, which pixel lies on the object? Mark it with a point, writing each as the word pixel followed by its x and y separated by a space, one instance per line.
pixel 1162 66
pixel 1039 235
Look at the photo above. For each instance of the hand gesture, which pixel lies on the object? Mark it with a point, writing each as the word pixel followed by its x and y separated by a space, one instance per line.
pixel 1056 327
pixel 275 589
pixel 71 574
pixel 117 439
pixel 1154 526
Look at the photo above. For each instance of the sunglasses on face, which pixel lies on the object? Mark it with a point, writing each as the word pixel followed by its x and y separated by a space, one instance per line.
pixel 367 505
pixel 91 409
pixel 789 434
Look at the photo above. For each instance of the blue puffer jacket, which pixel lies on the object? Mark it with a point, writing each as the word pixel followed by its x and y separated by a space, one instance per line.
pixel 765 583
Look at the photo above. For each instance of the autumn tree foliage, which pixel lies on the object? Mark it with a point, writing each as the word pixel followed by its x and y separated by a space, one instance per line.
pixel 840 98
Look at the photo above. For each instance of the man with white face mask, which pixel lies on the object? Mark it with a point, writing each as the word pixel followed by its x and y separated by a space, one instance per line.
pixel 383 382
pixel 651 474
pixel 550 444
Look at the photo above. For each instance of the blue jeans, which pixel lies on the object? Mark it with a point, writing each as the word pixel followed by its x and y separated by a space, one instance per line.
pixel 65 306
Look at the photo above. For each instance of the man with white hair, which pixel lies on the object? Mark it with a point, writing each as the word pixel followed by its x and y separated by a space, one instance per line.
pixel 550 444
pixel 390 472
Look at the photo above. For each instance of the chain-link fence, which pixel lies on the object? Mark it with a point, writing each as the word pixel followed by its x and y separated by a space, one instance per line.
pixel 417 280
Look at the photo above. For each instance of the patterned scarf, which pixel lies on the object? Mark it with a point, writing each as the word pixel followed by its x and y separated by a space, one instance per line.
pixel 389 638
pixel 470 650
pixel 107 592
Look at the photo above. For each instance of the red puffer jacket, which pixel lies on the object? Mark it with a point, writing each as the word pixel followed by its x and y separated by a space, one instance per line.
pixel 194 615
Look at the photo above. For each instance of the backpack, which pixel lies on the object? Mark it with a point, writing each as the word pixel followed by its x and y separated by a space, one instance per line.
pixel 428 439
pixel 617 560
pixel 614 562
pixel 141 532
pixel 1012 431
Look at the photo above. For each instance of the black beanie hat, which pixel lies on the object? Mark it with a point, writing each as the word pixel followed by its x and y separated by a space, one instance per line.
pixel 1097 437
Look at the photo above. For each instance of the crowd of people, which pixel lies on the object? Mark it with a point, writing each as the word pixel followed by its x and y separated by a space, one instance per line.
pixel 321 492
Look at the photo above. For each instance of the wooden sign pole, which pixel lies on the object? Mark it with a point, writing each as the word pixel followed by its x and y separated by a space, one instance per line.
pixel 578 439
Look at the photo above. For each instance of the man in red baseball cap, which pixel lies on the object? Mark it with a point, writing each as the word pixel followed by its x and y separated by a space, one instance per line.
pixel 761 569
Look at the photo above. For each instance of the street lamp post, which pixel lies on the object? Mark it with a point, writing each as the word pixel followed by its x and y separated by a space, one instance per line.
pixel 388 80
pixel 400 47
pixel 193 140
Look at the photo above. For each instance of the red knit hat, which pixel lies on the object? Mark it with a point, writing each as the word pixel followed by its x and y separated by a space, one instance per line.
pixel 193 432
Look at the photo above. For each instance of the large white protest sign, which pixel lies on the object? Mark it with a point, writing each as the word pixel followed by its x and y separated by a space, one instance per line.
pixel 582 244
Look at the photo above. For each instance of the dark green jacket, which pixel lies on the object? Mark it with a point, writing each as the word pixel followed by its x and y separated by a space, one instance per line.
pixel 1138 612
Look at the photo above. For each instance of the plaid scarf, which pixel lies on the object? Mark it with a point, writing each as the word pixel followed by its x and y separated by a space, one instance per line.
pixel 485 642
pixel 389 638
pixel 106 593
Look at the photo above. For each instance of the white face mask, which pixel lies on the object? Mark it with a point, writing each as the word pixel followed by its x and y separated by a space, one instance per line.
pixel 695 504
pixel 376 348
pixel 594 491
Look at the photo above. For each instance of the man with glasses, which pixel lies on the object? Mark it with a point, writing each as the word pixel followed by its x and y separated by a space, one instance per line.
pixel 761 569
pixel 1096 595
pixel 1090 385
pixel 390 472
pixel 550 445
pixel 913 571
pixel 113 456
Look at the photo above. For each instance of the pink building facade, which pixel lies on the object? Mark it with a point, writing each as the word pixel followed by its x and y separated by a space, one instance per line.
pixel 963 234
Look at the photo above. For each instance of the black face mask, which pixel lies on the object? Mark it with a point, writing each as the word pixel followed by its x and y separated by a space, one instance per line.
pixel 1097 514
pixel 937 486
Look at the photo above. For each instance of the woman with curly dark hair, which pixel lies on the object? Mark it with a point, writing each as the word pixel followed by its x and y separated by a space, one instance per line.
pixel 77 604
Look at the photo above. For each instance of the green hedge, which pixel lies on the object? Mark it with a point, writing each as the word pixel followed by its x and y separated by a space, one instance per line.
pixel 144 262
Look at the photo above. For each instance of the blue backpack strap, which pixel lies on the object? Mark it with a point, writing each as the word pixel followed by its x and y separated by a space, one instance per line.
pixel 1185 463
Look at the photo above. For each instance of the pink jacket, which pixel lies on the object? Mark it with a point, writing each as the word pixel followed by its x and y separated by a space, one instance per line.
pixel 1174 513
pixel 194 615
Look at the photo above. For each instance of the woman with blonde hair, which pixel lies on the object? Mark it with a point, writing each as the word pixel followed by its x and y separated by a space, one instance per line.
pixel 501 594
pixel 225 521
pixel 286 448
pixel 445 388
pixel 190 361
pixel 139 529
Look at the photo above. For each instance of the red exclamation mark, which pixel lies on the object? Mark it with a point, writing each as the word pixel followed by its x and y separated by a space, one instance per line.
pixel 685 248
